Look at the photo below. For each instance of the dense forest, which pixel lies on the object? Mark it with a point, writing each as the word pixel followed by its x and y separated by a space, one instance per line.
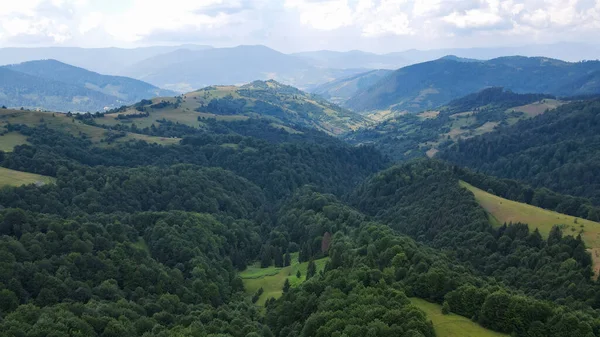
pixel 139 239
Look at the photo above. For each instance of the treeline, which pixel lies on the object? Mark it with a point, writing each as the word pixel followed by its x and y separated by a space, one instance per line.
pixel 372 271
pixel 540 197
pixel 424 200
pixel 278 169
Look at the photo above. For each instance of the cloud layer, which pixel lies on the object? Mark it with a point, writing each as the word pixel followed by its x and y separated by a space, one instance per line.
pixel 293 25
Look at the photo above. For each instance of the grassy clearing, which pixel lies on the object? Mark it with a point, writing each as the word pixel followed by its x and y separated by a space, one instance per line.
pixel 17 178
pixel 452 325
pixel 502 211
pixel 538 108
pixel 10 140
pixel 272 279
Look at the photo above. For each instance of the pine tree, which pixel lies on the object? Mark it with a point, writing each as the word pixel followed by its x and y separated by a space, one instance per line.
pixel 286 286
pixel 287 260
pixel 311 270
pixel 265 257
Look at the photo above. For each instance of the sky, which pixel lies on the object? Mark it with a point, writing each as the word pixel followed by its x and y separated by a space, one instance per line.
pixel 299 25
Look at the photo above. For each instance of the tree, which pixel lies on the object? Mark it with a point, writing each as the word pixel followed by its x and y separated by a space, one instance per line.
pixel 298 274
pixel 286 285
pixel 325 242
pixel 287 260
pixel 311 270
pixel 265 257
pixel 445 308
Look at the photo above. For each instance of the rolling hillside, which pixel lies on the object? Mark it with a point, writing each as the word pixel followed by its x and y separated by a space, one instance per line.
pixel 52 85
pixel 66 124
pixel 431 84
pixel 284 106
pixel 503 211
pixel 187 70
pixel 557 150
pixel 405 136
pixel 339 91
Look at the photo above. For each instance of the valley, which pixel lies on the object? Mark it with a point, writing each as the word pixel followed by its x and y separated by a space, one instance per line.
pixel 455 197
pixel 272 279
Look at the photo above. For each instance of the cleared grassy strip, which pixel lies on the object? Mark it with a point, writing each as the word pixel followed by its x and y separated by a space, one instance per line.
pixel 502 211
pixel 10 177
pixel 10 140
pixel 272 279
pixel 452 325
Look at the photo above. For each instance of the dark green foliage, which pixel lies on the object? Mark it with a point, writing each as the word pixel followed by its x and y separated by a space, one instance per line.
pixel 556 150
pixel 405 137
pixel 147 240
pixel 424 200
pixel 311 269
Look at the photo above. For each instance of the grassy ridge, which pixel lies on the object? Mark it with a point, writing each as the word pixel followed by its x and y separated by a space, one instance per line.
pixel 10 177
pixel 272 279
pixel 62 122
pixel 502 211
pixel 452 325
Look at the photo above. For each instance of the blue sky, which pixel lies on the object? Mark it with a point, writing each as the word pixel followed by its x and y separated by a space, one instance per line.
pixel 299 25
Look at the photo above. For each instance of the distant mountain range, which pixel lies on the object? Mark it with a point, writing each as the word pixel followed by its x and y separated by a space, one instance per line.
pixel 110 61
pixel 185 70
pixel 53 85
pixel 431 84
pixel 189 67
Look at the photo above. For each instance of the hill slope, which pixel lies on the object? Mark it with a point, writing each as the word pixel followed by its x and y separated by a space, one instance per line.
pixel 339 91
pixel 57 86
pixel 557 150
pixel 125 88
pixel 187 70
pixel 279 104
pixel 414 135
pixel 431 84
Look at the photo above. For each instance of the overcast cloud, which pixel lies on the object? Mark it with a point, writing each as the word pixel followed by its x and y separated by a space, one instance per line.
pixel 298 25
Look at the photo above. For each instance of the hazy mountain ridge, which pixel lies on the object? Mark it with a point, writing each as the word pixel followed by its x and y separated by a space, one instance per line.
pixel 339 91
pixel 187 70
pixel 431 84
pixel 110 61
pixel 53 85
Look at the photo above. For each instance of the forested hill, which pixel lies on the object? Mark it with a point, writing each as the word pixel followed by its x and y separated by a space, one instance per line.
pixel 139 239
pixel 432 84
pixel 556 150
pixel 406 136
pixel 282 106
pixel 53 85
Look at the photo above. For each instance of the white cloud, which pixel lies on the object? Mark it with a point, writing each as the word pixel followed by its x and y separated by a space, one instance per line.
pixel 326 15
pixel 474 18
pixel 311 23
